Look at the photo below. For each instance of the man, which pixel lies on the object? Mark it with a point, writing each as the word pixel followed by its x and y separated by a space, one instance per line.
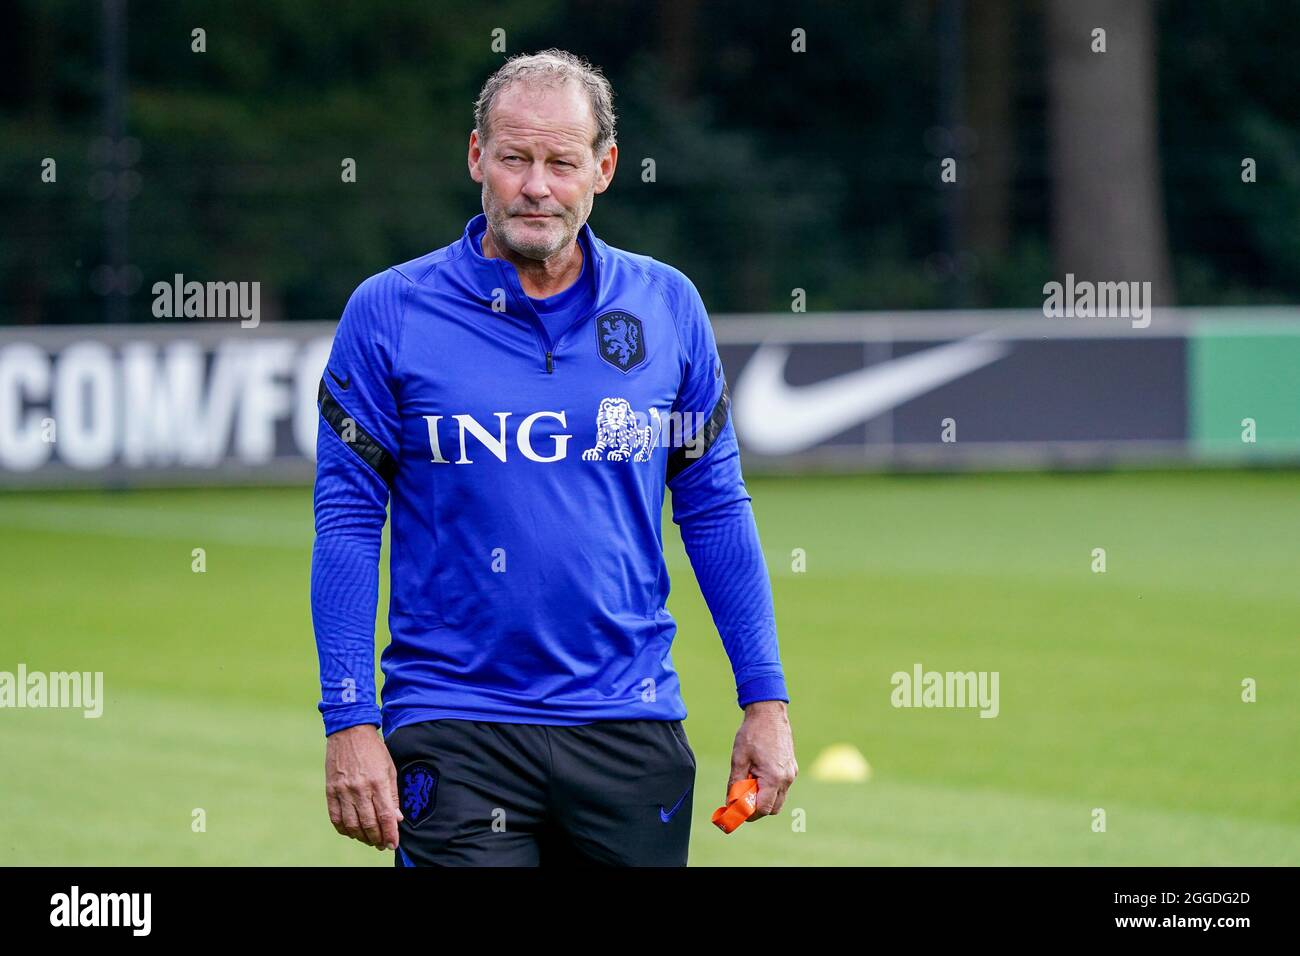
pixel 523 397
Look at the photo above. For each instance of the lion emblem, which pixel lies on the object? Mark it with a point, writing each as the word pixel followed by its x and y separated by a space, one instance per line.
pixel 617 435
pixel 620 338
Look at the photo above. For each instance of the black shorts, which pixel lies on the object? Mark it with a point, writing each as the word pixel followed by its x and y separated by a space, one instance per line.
pixel 477 793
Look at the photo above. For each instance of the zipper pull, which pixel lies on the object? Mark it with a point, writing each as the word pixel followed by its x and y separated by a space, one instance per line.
pixel 550 366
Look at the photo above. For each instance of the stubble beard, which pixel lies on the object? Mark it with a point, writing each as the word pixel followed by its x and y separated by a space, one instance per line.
pixel 524 239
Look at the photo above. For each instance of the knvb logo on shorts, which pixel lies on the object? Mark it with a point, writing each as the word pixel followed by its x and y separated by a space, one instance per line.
pixel 419 792
pixel 622 434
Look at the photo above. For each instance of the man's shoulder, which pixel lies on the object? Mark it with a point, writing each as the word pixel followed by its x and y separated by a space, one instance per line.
pixel 392 283
pixel 671 281
pixel 417 271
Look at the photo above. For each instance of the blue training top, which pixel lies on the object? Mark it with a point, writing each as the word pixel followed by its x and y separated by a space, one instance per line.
pixel 561 310
pixel 526 472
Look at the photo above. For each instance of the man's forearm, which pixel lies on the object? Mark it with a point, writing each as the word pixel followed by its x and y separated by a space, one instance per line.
pixel 723 546
pixel 344 595
pixel 350 514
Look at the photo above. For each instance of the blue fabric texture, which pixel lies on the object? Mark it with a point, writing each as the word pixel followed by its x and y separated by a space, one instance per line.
pixel 522 472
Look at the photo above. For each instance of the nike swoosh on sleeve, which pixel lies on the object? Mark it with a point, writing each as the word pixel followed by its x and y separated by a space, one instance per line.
pixel 774 418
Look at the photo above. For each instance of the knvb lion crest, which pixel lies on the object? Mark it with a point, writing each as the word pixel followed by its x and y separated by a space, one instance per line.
pixel 419 789
pixel 620 436
pixel 620 340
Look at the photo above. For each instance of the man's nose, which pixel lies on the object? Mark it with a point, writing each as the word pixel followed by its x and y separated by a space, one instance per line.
pixel 535 185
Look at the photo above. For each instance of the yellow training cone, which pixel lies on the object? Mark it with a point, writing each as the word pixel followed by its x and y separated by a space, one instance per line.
pixel 841 763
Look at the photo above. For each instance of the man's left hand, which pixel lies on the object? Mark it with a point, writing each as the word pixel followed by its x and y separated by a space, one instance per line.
pixel 764 749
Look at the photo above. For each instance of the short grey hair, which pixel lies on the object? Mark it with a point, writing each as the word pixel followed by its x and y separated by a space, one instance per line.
pixel 551 67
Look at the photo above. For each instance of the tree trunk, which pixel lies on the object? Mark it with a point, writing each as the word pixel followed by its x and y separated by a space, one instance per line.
pixel 1108 219
pixel 989 85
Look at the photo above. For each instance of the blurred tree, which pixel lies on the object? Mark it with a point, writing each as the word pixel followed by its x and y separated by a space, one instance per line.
pixel 776 169
pixel 990 80
pixel 1108 219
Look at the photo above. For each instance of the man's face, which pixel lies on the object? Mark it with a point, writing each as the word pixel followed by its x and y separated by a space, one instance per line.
pixel 538 172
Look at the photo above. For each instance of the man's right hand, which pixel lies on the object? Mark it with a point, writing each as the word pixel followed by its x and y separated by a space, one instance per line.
pixel 361 786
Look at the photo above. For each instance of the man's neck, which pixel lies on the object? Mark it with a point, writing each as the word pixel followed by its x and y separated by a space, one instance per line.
pixel 540 279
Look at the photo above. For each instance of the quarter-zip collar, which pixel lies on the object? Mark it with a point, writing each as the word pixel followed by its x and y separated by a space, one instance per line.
pixel 489 274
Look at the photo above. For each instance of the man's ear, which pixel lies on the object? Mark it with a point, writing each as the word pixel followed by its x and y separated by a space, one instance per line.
pixel 606 170
pixel 474 157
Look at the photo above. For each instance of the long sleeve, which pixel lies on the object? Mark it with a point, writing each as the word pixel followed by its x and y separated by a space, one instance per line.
pixel 723 546
pixel 356 457
pixel 713 509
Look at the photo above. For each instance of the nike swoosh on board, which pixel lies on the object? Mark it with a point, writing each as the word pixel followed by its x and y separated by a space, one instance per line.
pixel 774 418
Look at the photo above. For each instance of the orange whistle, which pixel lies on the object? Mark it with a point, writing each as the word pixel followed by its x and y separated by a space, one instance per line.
pixel 742 799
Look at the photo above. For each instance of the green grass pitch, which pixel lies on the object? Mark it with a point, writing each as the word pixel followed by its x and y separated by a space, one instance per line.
pixel 1119 691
